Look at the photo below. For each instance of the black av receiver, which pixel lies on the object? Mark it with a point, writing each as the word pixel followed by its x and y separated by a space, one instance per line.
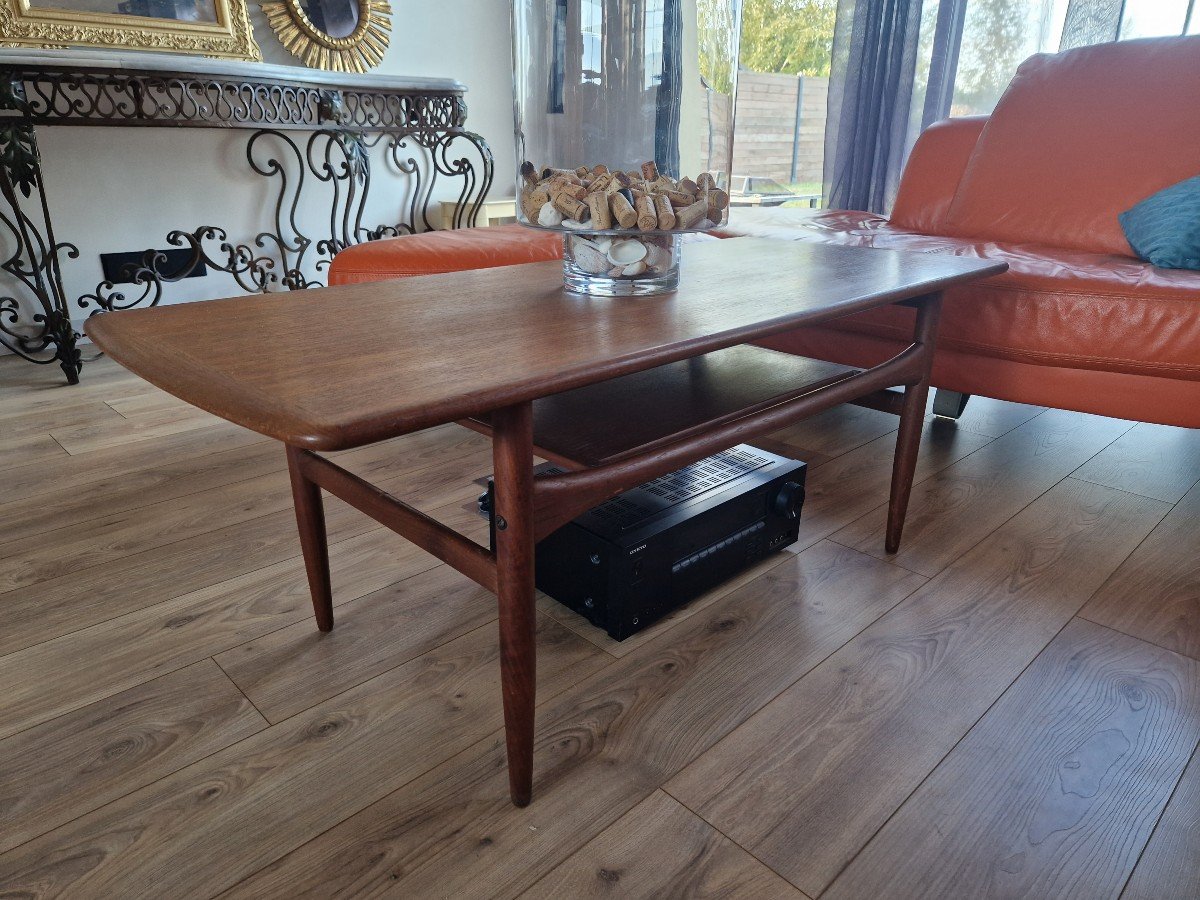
pixel 636 557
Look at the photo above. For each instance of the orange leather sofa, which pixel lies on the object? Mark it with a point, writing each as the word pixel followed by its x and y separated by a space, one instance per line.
pixel 1077 322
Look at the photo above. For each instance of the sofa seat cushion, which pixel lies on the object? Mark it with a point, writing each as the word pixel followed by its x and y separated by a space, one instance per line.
pixel 1053 307
pixel 436 252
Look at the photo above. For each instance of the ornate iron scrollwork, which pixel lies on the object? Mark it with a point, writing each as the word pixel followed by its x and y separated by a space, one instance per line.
pixel 418 136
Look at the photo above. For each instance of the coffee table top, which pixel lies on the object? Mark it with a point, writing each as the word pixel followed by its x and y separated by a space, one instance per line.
pixel 344 366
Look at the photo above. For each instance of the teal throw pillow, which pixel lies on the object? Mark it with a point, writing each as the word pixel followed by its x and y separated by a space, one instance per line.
pixel 1164 229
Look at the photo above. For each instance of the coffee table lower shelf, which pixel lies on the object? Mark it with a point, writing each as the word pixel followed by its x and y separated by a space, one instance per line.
pixel 625 417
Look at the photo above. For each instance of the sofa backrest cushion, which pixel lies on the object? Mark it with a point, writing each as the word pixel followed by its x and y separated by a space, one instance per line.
pixel 1077 138
pixel 933 171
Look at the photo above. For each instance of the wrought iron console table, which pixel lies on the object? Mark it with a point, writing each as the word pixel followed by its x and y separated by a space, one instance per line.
pixel 306 128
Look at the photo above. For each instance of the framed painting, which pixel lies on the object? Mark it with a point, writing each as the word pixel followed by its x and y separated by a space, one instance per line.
pixel 201 27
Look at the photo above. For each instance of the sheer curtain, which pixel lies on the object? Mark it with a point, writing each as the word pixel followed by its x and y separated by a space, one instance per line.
pixel 900 66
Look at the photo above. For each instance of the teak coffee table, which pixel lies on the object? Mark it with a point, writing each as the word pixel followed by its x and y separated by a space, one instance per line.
pixel 618 390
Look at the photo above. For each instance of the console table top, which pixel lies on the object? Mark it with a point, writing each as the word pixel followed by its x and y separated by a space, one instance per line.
pixel 128 62
pixel 352 365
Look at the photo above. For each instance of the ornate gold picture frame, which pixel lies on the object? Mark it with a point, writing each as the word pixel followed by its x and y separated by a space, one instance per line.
pixel 360 46
pixel 202 27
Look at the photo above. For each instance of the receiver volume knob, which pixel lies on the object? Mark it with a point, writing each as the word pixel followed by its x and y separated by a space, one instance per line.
pixel 787 501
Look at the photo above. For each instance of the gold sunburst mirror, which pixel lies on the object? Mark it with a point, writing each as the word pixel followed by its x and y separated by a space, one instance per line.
pixel 338 35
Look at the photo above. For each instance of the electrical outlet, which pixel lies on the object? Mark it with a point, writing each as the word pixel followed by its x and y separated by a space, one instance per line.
pixel 119 267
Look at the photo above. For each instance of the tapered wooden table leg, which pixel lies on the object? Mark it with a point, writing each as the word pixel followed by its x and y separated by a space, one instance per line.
pixel 912 420
pixel 512 452
pixel 310 518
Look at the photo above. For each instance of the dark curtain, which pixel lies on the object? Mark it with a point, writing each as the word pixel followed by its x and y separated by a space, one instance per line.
pixel 874 117
pixel 943 61
pixel 870 97
pixel 669 98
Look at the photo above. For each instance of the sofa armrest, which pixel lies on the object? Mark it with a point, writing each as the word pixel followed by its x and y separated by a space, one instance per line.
pixel 933 171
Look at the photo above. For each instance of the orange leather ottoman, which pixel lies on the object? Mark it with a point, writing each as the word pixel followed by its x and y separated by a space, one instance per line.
pixel 436 252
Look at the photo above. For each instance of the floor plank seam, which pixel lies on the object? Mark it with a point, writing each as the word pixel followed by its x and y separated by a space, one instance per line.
pixel 1167 805
pixel 1170 503
pixel 885 559
pixel 33 498
pixel 60 445
pixel 950 750
pixel 221 650
pixel 282 472
pixel 486 741
pixel 1136 637
pixel 571 852
pixel 1113 573
pixel 958 424
pixel 1129 426
pixel 265 725
pixel 966 550
pixel 66 712
pixel 266 722
pixel 99 478
pixel 746 850
pixel 171 599
pixel 182 540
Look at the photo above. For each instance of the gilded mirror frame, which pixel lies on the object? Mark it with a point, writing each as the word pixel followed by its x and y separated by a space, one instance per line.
pixel 358 51
pixel 230 37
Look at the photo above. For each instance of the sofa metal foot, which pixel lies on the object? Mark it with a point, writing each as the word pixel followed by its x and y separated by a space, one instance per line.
pixel 949 404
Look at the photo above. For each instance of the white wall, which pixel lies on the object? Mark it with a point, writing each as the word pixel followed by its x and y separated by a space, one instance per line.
pixel 116 189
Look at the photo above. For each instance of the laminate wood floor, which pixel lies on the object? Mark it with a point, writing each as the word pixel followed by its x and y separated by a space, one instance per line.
pixel 1009 707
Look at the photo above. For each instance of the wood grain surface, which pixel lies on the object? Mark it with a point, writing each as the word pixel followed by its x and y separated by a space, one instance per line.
pixel 954 509
pixel 661 850
pixel 134 766
pixel 881 712
pixel 1155 593
pixel 593 425
pixel 68 766
pixel 189 834
pixel 1170 864
pixel 1158 461
pixel 1072 793
pixel 445 347
pixel 602 747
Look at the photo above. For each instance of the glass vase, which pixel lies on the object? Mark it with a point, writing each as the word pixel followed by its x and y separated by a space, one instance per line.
pixel 624 131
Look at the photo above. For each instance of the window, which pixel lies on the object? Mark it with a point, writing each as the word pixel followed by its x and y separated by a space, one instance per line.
pixel 591 24
pixel 654 42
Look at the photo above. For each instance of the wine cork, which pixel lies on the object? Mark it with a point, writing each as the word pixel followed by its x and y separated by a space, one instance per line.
pixel 583 170
pixel 533 201
pixel 529 172
pixel 548 173
pixel 650 170
pixel 705 181
pixel 569 206
pixel 622 178
pixel 679 199
pixel 666 214
pixel 600 169
pixel 574 191
pixel 529 207
pixel 690 216
pixel 718 198
pixel 600 182
pixel 623 210
pixel 601 213
pixel 687 186
pixel 647 216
